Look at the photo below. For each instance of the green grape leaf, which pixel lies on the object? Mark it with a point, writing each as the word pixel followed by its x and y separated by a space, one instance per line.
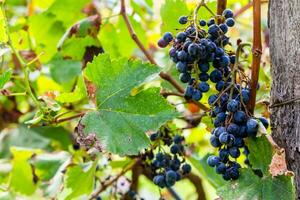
pixel 3 35
pixel 261 153
pixel 22 170
pixel 49 26
pixel 46 165
pixel 79 180
pixel 5 77
pixel 206 171
pixel 62 70
pixel 75 47
pixel 67 11
pixel 123 117
pixel 170 12
pixel 38 137
pixel 112 37
pixel 252 187
pixel 72 97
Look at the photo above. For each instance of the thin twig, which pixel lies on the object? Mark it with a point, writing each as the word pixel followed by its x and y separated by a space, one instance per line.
pixel 256 52
pixel 69 118
pixel 245 8
pixel 109 183
pixel 166 94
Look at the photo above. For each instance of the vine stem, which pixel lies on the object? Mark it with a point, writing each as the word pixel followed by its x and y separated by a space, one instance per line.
pixel 20 59
pixel 256 52
pixel 221 6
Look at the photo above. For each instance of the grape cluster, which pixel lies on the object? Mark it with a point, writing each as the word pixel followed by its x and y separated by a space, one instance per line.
pixel 202 60
pixel 194 50
pixel 168 164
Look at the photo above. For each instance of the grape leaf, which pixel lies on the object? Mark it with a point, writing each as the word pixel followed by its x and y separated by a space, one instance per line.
pixel 3 35
pixel 71 97
pixel 79 180
pixel 170 12
pixel 64 70
pixel 5 77
pixel 49 26
pixel 112 37
pixel 251 187
pixel 46 165
pixel 21 170
pixel 75 47
pixel 123 118
pixel 261 153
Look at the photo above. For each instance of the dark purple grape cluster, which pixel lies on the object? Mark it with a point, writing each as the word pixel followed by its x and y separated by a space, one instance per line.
pixel 195 50
pixel 168 165
pixel 202 60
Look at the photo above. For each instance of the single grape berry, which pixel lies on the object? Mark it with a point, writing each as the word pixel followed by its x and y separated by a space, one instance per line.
pixel 214 141
pixel 220 85
pixel 224 138
pixel 162 43
pixel 227 13
pixel 211 22
pixel 193 49
pixel 213 160
pixel 234 152
pixel 233 128
pixel 203 66
pixel 212 99
pixel 215 76
pixel 203 76
pixel 159 180
pixel 185 77
pixel 154 136
pixel 168 37
pixel 230 22
pixel 220 168
pixel 181 67
pixel 233 105
pixel 203 86
pixel 252 127
pixel 264 121
pixel 183 20
pixel 181 36
pixel 239 117
pixel 178 139
pixel 186 168
pixel 202 22
pixel 224 28
pixel 174 149
pixel 197 95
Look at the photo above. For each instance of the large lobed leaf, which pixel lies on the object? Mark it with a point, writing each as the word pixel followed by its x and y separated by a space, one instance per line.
pixel 123 118
pixel 251 187
pixel 261 153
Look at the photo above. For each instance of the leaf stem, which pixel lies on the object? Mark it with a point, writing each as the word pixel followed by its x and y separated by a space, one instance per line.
pixel 20 59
